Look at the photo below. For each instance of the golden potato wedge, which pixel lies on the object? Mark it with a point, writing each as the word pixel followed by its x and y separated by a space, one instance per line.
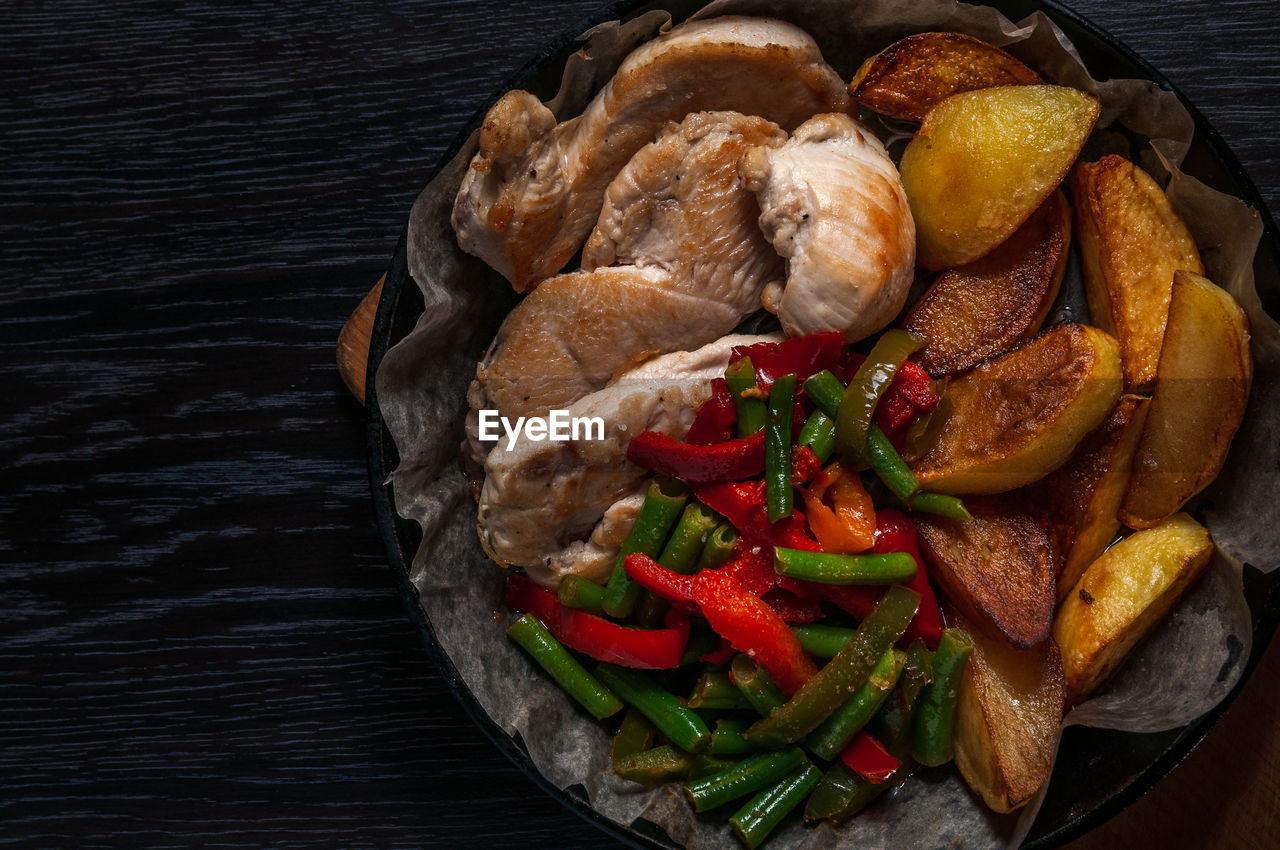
pixel 1007 716
pixel 1123 594
pixel 914 74
pixel 983 161
pixel 1018 417
pixel 1079 502
pixel 997 569
pixel 1202 387
pixel 986 307
pixel 1131 242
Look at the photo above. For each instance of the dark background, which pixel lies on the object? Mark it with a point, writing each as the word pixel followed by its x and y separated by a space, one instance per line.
pixel 200 641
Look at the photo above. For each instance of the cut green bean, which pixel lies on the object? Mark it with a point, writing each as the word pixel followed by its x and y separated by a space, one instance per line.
pixel 779 492
pixel 763 812
pixel 680 724
pixel 835 733
pixel 689 538
pixel 819 434
pixel 842 675
pixel 655 766
pixel 821 640
pixel 747 776
pixel 716 690
pixel 940 504
pixel 858 406
pixel 719 548
pixel 934 722
pixel 890 466
pixel 833 568
pixel 705 765
pixel 825 391
pixel 741 378
pixel 727 740
pixel 578 592
pixel 661 509
pixel 842 794
pixel 756 685
pixel 533 637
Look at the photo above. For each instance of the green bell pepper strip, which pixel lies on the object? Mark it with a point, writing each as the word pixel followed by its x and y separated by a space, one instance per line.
pixel 858 406
pixel 832 568
pixel 689 538
pixel 763 812
pixel 842 794
pixel 741 378
pixel 779 492
pixel 835 733
pixel 533 637
pixel 747 776
pixel 934 722
pixel 756 685
pixel 682 726
pixel 896 718
pixel 661 508
pixel 842 676
pixel 655 766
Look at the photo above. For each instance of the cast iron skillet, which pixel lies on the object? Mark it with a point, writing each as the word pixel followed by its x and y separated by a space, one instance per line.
pixel 1085 790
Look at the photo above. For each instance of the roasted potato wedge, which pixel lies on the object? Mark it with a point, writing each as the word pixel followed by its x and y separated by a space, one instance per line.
pixel 986 307
pixel 1202 387
pixel 1018 417
pixel 1079 502
pixel 1007 716
pixel 1131 242
pixel 997 569
pixel 916 73
pixel 983 161
pixel 1123 594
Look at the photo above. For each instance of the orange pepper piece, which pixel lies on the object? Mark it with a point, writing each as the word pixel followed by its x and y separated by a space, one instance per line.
pixel 848 524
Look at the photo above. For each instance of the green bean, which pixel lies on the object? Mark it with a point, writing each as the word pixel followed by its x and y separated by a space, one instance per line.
pixel 534 639
pixel 756 684
pixel 842 794
pixel 661 509
pixel 779 492
pixel 689 538
pixel 681 725
pixel 650 610
pixel 825 391
pixel 750 774
pixel 762 814
pixel 655 766
pixel 821 640
pixel 741 378
pixel 933 726
pixel 835 733
pixel 842 675
pixel 819 434
pixel 896 717
pixel 718 549
pixel 833 568
pixel 578 592
pixel 890 466
pixel 727 738
pixel 940 504
pixel 858 406
pixel 705 765
pixel 716 690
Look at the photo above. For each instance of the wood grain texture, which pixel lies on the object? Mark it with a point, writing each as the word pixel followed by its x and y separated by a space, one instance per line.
pixel 200 642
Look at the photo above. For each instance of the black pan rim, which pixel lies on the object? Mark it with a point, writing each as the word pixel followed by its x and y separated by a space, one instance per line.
pixel 1266 620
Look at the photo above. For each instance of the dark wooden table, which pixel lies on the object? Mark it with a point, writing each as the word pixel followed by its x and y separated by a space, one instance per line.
pixel 200 643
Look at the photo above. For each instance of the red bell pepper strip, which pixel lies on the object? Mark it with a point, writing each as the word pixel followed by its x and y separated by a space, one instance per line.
pixel 868 758
pixel 742 503
pixel 894 413
pixel 756 352
pixel 802 356
pixel 753 567
pixel 914 384
pixel 649 649
pixel 715 419
pixel 727 461
pixel 791 608
pixel 751 626
pixel 805 465
pixel 656 578
pixel 895 533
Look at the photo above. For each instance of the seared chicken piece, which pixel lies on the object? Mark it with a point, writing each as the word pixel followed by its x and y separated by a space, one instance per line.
pixel 535 187
pixel 682 219
pixel 540 500
pixel 833 205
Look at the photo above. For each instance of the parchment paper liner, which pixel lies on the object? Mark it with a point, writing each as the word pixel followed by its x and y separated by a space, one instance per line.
pixel 1192 661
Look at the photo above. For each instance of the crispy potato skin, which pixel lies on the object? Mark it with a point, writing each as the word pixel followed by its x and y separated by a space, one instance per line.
pixel 916 73
pixel 1007 715
pixel 983 161
pixel 1132 242
pixel 1123 594
pixel 997 569
pixel 1016 418
pixel 984 308
pixel 1079 503
pixel 1202 389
